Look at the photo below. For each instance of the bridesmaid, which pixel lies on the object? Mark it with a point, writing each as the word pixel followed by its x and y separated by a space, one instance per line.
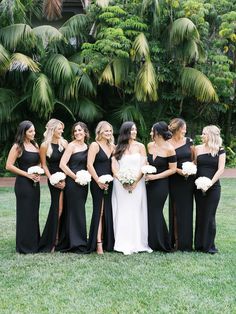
pixel 161 155
pixel 101 235
pixel 51 151
pixel 73 160
pixel 25 153
pixel 181 190
pixel 210 160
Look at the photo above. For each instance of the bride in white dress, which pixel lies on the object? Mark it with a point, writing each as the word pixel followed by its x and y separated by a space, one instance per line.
pixel 129 202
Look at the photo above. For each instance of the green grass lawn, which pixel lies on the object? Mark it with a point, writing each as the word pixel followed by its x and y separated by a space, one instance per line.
pixel 114 283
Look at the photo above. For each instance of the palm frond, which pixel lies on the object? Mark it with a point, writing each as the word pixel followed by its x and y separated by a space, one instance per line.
pixel 12 35
pixel 195 83
pixel 140 47
pixel 183 29
pixel 7 102
pixel 4 59
pixel 86 110
pixel 121 70
pixel 129 112
pixel 21 62
pixel 75 26
pixel 107 76
pixel 52 9
pixel 146 85
pixel 59 69
pixel 42 96
pixel 47 34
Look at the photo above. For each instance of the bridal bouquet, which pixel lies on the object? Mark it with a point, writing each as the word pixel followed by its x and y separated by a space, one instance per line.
pixel 189 168
pixel 105 179
pixel 57 177
pixel 148 169
pixel 203 183
pixel 83 177
pixel 127 176
pixel 35 170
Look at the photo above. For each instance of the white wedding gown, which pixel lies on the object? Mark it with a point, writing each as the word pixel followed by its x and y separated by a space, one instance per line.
pixel 130 211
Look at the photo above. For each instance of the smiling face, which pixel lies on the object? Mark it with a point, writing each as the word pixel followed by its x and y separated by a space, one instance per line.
pixel 182 131
pixel 133 132
pixel 79 133
pixel 30 134
pixel 58 131
pixel 106 132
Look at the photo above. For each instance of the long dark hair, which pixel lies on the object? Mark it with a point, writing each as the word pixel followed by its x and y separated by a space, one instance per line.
pixel 84 127
pixel 23 127
pixel 161 128
pixel 123 139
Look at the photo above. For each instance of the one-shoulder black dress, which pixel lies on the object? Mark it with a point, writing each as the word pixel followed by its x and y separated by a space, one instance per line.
pixel 157 192
pixel 27 206
pixel 102 165
pixel 75 218
pixel 48 238
pixel 181 202
pixel 206 204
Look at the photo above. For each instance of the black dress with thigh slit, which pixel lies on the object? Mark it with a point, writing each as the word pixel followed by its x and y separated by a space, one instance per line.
pixel 48 238
pixel 75 239
pixel 181 202
pixel 157 192
pixel 27 206
pixel 206 204
pixel 102 165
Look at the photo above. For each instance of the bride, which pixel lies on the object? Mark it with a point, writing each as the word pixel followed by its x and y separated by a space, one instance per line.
pixel 129 202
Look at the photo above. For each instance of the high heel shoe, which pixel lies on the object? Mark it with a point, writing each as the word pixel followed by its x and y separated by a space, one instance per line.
pixel 99 248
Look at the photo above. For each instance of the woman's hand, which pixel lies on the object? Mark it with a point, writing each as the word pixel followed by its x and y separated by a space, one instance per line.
pixel 60 185
pixel 150 177
pixel 34 177
pixel 103 186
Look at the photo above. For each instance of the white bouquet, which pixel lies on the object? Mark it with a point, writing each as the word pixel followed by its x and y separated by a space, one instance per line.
pixel 189 168
pixel 105 179
pixel 83 177
pixel 127 176
pixel 57 177
pixel 147 169
pixel 203 183
pixel 35 170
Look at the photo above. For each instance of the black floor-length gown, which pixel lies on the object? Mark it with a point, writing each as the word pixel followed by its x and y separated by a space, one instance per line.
pixel 75 239
pixel 206 204
pixel 27 206
pixel 48 238
pixel 102 165
pixel 157 192
pixel 181 202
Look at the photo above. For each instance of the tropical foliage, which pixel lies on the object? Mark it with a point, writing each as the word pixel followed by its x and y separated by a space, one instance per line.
pixel 141 60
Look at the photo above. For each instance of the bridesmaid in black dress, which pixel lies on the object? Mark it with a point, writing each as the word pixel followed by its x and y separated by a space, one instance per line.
pixel 73 160
pixel 210 159
pixel 51 151
pixel 181 190
pixel 25 153
pixel 161 155
pixel 101 234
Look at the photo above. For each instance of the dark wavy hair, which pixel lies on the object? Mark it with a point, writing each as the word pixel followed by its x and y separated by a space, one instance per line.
pixel 84 127
pixel 161 128
pixel 123 139
pixel 23 127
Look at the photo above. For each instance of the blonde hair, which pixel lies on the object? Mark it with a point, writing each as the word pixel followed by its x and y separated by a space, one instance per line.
pixel 214 139
pixel 100 129
pixel 48 136
pixel 176 124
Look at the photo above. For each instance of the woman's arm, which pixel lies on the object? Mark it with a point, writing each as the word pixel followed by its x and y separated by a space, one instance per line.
pixel 64 161
pixel 92 152
pixel 10 165
pixel 43 154
pixel 221 167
